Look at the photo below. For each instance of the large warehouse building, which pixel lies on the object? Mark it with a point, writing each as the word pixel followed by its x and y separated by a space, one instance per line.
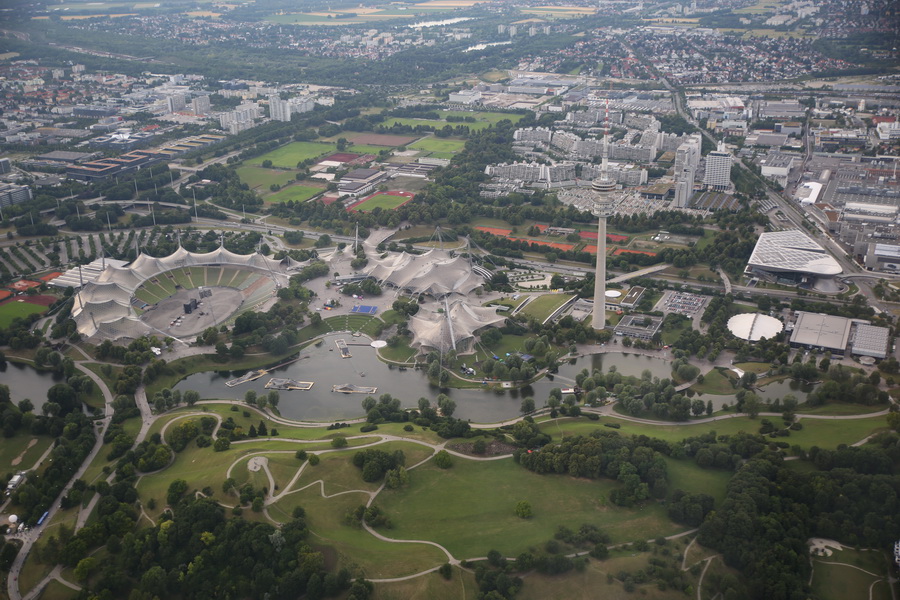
pixel 835 334
pixel 793 258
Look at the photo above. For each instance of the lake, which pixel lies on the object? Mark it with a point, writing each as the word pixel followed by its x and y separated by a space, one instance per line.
pixel 325 367
pixel 25 381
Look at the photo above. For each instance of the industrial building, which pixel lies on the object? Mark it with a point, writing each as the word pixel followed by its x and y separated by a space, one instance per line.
pixel 821 332
pixel 837 334
pixel 868 340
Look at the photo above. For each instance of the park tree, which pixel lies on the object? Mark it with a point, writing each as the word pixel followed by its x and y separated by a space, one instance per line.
pixel 443 460
pixel 523 509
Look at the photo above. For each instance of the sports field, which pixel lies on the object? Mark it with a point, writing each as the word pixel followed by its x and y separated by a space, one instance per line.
pixel 483 120
pixel 18 308
pixel 388 201
pixel 257 177
pixel 439 147
pixel 298 193
pixel 288 156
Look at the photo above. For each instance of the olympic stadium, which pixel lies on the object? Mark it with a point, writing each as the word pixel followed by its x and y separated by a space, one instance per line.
pixel 179 295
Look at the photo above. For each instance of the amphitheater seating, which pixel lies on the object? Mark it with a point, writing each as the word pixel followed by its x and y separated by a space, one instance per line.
pixel 182 279
pixel 167 283
pixel 145 295
pixel 155 289
pixel 227 275
pixel 249 281
pixel 239 278
pixel 213 275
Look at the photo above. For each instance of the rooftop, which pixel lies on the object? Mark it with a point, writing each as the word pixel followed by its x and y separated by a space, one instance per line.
pixel 821 331
pixel 792 251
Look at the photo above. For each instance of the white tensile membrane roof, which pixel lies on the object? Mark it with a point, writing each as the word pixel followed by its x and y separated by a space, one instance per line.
pixel 103 308
pixel 433 331
pixel 754 326
pixel 436 273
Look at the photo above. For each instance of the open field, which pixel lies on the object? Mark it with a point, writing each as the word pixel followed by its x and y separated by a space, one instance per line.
pixel 593 583
pixel 687 476
pixel 478 521
pixel 297 193
pixel 23 449
pixel 378 141
pixel 715 382
pixel 439 147
pixel 356 548
pixel 543 306
pixel 258 177
pixel 432 586
pixel 16 309
pixel 824 433
pixel 849 574
pixel 383 201
pixel 288 156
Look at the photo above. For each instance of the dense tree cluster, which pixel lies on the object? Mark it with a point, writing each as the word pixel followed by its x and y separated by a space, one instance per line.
pixel 771 511
pixel 640 468
pixel 375 463
pixel 196 552
pixel 41 488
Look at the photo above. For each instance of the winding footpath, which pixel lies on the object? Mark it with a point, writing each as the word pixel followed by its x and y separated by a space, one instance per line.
pixel 258 458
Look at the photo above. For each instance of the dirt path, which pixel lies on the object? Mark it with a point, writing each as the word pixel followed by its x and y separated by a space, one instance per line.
pixel 18 460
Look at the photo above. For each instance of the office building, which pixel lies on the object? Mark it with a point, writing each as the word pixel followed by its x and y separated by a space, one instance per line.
pixel 13 194
pixel 718 169
pixel 200 105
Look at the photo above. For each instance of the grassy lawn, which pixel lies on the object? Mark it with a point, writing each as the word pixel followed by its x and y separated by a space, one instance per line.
pixel 715 382
pixel 258 177
pixel 298 193
pixel 356 548
pixel 838 581
pixel 824 433
pixel 479 520
pixel 366 148
pixel 593 583
pixel 432 586
pixel 13 310
pixel 543 306
pixel 401 353
pixel 442 145
pixel 827 433
pixel 57 591
pixel 754 367
pixel 383 201
pixel 686 475
pixel 289 155
pixel 16 448
pixel 490 118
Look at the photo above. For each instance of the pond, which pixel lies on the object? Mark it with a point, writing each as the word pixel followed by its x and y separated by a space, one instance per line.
pixel 324 366
pixel 768 393
pixel 25 381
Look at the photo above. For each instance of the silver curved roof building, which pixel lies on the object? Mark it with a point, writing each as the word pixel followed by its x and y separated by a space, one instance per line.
pixel 792 252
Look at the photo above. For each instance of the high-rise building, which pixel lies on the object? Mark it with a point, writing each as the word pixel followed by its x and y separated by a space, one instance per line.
pixel 176 103
pixel 718 169
pixel 687 160
pixel 11 193
pixel 200 105
pixel 279 110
